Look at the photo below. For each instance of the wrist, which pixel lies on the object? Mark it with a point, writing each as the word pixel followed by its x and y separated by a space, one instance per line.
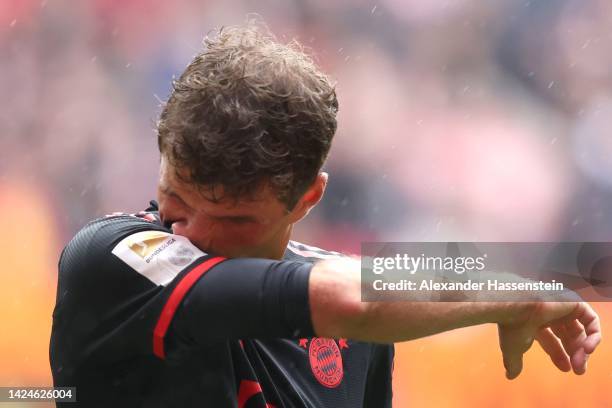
pixel 512 313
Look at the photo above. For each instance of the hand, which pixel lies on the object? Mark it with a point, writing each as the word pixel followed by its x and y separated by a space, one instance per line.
pixel 567 331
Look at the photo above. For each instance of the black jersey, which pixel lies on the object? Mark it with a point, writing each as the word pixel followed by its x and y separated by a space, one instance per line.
pixel 143 318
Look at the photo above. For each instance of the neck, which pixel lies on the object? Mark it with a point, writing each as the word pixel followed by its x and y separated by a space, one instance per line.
pixel 279 251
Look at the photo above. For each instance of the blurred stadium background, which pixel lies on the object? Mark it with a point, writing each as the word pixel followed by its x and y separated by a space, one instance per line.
pixel 459 120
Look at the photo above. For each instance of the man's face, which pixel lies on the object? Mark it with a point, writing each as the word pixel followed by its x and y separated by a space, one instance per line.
pixel 259 227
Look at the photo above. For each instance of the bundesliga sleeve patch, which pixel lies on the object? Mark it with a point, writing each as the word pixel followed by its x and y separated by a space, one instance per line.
pixel 157 255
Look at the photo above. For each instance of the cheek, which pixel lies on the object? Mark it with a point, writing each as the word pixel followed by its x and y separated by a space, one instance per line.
pixel 238 235
pixel 220 237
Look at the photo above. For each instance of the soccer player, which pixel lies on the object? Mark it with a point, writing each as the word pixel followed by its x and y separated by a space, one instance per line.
pixel 202 300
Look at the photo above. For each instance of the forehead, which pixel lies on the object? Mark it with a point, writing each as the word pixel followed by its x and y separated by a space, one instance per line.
pixel 168 178
pixel 175 184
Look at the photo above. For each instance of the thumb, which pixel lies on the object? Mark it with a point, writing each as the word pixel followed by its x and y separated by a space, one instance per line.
pixel 513 343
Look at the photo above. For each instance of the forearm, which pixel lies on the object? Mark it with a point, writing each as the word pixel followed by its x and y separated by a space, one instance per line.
pixel 400 321
pixel 567 330
pixel 337 310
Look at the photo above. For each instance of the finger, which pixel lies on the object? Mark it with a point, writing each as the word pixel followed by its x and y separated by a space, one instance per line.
pixel 514 343
pixel 575 330
pixel 592 328
pixel 573 336
pixel 559 330
pixel 552 345
pixel 589 320
pixel 513 363
pixel 591 342
pixel 579 361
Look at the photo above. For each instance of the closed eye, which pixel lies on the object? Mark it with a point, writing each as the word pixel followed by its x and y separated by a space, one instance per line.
pixel 175 197
pixel 237 219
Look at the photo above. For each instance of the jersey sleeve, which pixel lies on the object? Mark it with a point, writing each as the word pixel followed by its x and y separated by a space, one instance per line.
pixel 129 288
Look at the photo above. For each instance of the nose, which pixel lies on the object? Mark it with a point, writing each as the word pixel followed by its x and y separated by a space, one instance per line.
pixel 179 227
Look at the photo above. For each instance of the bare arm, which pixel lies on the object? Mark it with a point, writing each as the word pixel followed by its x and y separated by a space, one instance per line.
pixel 567 331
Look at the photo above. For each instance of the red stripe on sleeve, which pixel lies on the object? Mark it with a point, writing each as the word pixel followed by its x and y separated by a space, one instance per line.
pixel 247 389
pixel 177 295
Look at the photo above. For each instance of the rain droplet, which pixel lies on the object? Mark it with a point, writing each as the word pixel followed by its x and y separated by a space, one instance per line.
pixel 586 43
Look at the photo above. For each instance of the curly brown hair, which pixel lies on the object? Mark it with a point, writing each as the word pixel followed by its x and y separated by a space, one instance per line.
pixel 249 111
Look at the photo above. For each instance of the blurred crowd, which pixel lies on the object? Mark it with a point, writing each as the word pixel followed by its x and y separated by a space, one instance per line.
pixel 459 120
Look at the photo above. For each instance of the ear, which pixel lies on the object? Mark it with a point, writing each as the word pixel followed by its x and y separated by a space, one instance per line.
pixel 311 197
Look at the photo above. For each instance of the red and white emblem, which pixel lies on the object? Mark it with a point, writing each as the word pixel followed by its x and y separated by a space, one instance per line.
pixel 326 361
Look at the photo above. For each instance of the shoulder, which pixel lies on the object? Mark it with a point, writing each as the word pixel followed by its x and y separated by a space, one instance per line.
pixel 123 245
pixel 302 252
pixel 99 236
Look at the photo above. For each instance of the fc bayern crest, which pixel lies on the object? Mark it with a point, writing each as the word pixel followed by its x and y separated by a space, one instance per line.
pixel 326 361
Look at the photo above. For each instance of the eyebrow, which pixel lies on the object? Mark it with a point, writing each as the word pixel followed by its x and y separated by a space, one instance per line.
pixel 248 218
pixel 169 192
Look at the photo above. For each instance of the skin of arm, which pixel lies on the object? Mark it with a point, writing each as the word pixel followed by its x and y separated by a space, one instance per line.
pixel 567 331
